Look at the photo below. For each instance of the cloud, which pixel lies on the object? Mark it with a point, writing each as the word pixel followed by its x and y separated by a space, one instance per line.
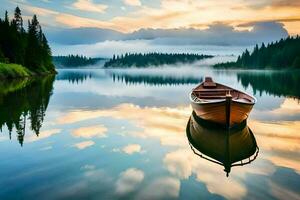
pixel 288 107
pixel 88 167
pixel 180 165
pixel 165 124
pixel 132 148
pixel 282 193
pixel 46 148
pixel 85 144
pixel 42 135
pixel 183 162
pixel 281 140
pixel 215 34
pixel 175 14
pixel 90 131
pixel 133 2
pixel 161 188
pixel 76 21
pixel 89 5
pixel 129 180
pixel 39 11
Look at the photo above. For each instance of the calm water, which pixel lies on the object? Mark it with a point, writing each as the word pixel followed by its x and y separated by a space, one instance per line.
pixel 121 134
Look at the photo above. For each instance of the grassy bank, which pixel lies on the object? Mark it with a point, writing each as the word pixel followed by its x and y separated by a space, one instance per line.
pixel 9 71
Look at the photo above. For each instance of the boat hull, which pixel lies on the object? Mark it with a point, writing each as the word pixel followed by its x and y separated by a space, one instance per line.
pixel 225 113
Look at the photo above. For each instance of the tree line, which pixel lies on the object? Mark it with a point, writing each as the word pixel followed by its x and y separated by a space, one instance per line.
pixel 28 48
pixel 281 54
pixel 152 59
pixel 74 60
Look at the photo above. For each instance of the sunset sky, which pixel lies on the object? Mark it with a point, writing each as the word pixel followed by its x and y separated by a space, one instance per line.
pixel 131 15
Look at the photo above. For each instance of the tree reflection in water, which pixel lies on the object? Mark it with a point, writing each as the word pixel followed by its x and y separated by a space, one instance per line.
pixel 276 83
pixel 154 79
pixel 23 101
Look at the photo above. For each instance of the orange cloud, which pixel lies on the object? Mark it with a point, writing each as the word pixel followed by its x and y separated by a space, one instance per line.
pixel 132 148
pixel 85 144
pixel 43 135
pixel 177 14
pixel 133 2
pixel 166 124
pixel 89 5
pixel 90 131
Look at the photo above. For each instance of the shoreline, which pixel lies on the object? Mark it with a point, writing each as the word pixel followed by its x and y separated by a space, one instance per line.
pixel 10 71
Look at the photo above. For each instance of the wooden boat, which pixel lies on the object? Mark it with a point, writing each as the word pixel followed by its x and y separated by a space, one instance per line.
pixel 228 148
pixel 221 104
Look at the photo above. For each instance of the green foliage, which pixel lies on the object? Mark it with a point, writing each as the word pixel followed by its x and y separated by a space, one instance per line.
pixel 74 60
pixel 13 71
pixel 152 59
pixel 296 63
pixel 279 55
pixel 13 85
pixel 2 58
pixel 29 49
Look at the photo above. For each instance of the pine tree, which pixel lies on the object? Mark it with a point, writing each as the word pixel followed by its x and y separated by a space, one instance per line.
pixel 6 20
pixel 32 57
pixel 18 21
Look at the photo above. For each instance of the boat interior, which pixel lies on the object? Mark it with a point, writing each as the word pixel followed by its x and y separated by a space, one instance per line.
pixel 209 91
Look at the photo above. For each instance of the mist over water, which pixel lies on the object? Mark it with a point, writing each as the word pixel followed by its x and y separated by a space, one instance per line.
pixel 109 48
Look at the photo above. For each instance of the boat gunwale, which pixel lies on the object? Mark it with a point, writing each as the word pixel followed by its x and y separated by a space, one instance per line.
pixel 223 100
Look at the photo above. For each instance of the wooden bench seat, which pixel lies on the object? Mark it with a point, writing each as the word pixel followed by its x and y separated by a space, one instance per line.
pixel 211 97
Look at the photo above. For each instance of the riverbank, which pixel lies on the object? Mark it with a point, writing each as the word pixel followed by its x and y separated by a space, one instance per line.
pixel 11 71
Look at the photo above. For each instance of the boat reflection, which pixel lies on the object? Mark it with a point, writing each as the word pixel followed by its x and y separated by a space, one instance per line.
pixel 229 148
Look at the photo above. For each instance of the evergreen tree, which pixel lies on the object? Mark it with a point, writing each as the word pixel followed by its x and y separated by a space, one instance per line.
pixel 281 54
pixel 33 58
pixel 6 20
pixel 18 21
pixel 29 48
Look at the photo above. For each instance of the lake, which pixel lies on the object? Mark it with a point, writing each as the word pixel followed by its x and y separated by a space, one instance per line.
pixel 122 134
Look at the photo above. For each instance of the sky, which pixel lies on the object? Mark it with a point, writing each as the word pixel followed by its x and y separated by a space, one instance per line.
pixel 107 27
pixel 131 15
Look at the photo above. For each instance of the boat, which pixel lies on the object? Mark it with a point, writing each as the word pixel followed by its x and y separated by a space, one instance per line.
pixel 228 148
pixel 221 104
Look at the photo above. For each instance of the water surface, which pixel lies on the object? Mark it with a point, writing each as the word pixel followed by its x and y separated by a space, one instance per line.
pixel 121 134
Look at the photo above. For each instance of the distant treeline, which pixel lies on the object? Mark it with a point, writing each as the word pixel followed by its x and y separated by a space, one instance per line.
pixel 28 48
pixel 152 59
pixel 279 55
pixel 74 60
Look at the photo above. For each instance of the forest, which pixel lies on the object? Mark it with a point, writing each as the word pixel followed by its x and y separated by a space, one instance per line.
pixel 152 59
pixel 26 48
pixel 74 61
pixel 281 54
